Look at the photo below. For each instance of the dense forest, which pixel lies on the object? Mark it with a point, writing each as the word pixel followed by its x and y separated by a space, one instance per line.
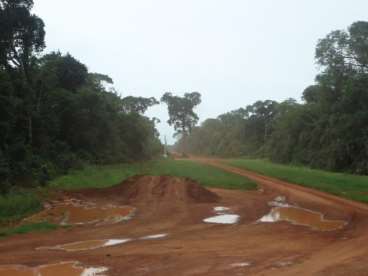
pixel 328 129
pixel 54 113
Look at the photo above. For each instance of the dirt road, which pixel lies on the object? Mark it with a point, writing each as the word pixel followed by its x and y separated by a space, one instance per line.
pixel 168 236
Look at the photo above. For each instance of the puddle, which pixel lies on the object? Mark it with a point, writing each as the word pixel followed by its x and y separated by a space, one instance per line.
pixel 95 244
pixel 60 269
pixel 222 216
pixel 279 201
pixel 77 212
pixel 154 237
pixel 86 245
pixel 221 210
pixel 244 264
pixel 304 217
pixel 223 219
pixel 284 264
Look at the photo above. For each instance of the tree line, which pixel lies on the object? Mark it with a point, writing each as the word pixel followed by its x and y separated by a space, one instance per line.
pixel 328 129
pixel 54 113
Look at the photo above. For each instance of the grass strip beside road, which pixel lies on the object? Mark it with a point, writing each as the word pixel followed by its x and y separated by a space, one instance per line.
pixel 98 176
pixel 349 186
pixel 107 176
pixel 206 175
pixel 17 205
pixel 27 228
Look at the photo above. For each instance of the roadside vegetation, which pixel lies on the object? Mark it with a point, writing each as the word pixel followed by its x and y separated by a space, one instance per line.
pixel 27 228
pixel 15 206
pixel 326 130
pixel 56 115
pixel 345 185
pixel 204 174
pixel 97 176
pixel 107 176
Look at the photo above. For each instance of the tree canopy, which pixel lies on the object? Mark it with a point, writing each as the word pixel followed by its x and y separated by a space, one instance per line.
pixel 328 130
pixel 182 115
pixel 181 111
pixel 54 113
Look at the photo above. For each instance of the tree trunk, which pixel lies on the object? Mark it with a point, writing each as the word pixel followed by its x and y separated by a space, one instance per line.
pixel 30 130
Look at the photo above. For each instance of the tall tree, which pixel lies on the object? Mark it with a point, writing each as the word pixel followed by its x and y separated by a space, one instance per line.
pixel 181 112
pixel 329 130
pixel 22 35
pixel 138 104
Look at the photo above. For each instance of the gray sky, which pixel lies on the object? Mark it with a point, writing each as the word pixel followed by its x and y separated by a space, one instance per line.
pixel 234 52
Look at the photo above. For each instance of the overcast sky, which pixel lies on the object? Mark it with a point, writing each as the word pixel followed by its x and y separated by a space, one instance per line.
pixel 234 52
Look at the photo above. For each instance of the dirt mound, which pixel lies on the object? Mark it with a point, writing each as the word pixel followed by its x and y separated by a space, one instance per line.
pixel 148 189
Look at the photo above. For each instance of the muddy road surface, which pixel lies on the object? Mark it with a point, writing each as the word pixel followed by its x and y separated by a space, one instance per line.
pixel 170 226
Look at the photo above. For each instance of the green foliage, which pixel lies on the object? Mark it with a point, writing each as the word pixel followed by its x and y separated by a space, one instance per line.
pixel 54 114
pixel 21 34
pixel 328 131
pixel 345 185
pixel 182 115
pixel 239 132
pixel 27 228
pixel 181 111
pixel 97 176
pixel 107 176
pixel 138 104
pixel 62 71
pixel 204 174
pixel 17 205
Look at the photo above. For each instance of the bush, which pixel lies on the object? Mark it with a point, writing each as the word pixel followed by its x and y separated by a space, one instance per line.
pixel 16 205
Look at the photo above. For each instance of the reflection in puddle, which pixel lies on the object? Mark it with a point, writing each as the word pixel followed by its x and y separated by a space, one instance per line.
pixel 279 201
pixel 73 211
pixel 95 244
pixel 154 237
pixel 244 264
pixel 60 269
pixel 86 245
pixel 221 210
pixel 223 219
pixel 304 217
pixel 223 216
pixel 284 264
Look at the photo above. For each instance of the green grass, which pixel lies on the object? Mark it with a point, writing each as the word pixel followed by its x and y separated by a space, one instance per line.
pixel 206 175
pixel 97 176
pixel 344 185
pixel 27 228
pixel 107 176
pixel 17 205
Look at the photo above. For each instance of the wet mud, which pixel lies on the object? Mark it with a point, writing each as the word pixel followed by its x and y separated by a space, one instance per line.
pixel 77 212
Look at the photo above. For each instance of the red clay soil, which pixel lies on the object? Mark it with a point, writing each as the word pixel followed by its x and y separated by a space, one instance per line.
pixel 178 206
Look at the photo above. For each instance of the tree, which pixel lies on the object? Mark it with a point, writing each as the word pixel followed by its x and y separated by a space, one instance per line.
pixel 54 114
pixel 21 35
pixel 329 130
pixel 181 112
pixel 66 71
pixel 138 104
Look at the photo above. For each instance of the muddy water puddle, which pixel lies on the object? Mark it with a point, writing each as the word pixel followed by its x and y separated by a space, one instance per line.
pixel 60 269
pixel 95 244
pixel 154 237
pixel 241 265
pixel 299 216
pixel 86 245
pixel 77 212
pixel 222 219
pixel 223 216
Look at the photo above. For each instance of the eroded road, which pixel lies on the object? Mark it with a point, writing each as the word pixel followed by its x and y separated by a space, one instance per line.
pixel 180 228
